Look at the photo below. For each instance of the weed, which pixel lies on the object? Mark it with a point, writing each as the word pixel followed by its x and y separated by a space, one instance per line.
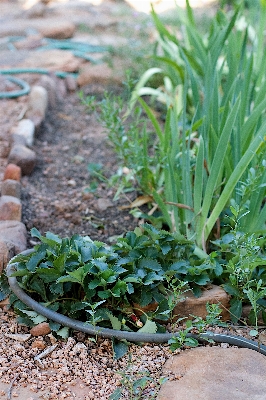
pixel 134 384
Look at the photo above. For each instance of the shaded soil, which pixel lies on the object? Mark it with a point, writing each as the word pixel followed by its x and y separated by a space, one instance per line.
pixel 57 197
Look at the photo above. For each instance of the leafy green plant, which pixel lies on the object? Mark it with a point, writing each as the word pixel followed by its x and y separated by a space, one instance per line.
pixel 244 269
pixel 104 285
pixel 199 325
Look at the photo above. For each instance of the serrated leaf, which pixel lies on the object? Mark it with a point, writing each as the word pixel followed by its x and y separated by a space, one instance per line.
pixel 73 276
pixel 35 317
pixel 132 279
pixel 63 332
pixel 54 326
pixel 35 259
pixel 202 279
pixel 54 238
pixel 130 288
pixel 149 327
pixel 57 288
pixel 119 348
pixel 116 324
pixel 145 298
pixel 165 248
pixel 94 283
pixel 191 342
pixel 230 289
pixel 39 319
pixel 150 264
pixel 151 277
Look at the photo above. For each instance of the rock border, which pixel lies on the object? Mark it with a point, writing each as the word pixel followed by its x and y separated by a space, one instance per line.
pixel 21 161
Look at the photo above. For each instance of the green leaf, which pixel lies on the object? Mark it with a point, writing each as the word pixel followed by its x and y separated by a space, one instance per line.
pixel 120 348
pixel 151 278
pixel 73 276
pixel 35 317
pixel 104 294
pixel 145 298
pixel 232 290
pixel 150 264
pixel 35 233
pixel 191 342
pixel 35 259
pixel 235 310
pixel 116 395
pixel 116 324
pixel 63 332
pixel 149 327
pixel 54 326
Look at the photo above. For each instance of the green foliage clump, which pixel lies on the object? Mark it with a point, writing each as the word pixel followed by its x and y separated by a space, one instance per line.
pixel 101 284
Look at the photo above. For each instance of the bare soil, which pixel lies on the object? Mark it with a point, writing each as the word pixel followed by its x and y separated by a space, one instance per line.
pixel 57 197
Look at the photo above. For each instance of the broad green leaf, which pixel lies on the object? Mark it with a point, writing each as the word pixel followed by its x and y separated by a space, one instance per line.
pixel 35 233
pixel 116 324
pixel 149 327
pixel 35 259
pixel 120 348
pixel 150 264
pixel 235 310
pixel 116 395
pixel 63 332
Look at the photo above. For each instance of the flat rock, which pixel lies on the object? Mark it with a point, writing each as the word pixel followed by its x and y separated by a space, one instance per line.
pixel 102 204
pixel 215 373
pixel 57 29
pixel 100 74
pixel 53 60
pixel 7 251
pixel 37 105
pixel 14 232
pixel 197 305
pixel 10 208
pixel 11 187
pixel 25 128
pixel 23 157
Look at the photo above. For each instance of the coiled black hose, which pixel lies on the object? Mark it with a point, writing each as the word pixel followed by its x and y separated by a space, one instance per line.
pixel 120 335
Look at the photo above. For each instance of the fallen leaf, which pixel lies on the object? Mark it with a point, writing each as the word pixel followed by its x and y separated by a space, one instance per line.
pixel 139 201
pixel 64 116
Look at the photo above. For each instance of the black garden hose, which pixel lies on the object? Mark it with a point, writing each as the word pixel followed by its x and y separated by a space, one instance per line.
pixel 123 335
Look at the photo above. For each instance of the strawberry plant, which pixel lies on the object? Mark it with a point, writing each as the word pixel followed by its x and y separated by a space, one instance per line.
pixel 100 284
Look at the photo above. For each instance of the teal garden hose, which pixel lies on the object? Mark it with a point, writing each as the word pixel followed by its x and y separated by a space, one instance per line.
pixel 78 49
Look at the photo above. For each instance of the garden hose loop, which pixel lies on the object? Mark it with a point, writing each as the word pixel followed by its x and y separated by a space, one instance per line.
pixel 25 88
pixel 78 49
pixel 136 337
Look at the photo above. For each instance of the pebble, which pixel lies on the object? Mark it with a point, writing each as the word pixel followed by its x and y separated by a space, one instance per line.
pixel 40 329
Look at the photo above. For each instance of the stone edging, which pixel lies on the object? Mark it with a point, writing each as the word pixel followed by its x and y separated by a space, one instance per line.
pixel 21 161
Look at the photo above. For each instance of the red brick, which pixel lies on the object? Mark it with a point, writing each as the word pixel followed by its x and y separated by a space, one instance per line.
pixel 12 171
